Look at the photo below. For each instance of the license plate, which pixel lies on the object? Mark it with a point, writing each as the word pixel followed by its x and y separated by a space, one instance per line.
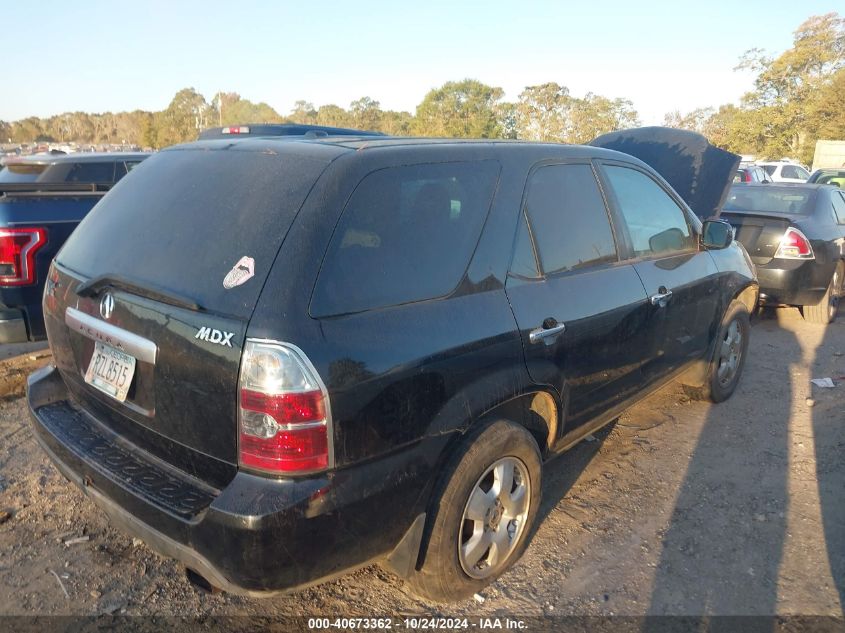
pixel 110 371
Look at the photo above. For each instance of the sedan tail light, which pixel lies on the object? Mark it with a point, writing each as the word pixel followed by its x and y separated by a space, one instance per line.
pixel 17 255
pixel 794 245
pixel 284 420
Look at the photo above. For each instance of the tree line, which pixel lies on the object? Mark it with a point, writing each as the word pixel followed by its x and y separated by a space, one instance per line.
pixel 797 98
pixel 462 109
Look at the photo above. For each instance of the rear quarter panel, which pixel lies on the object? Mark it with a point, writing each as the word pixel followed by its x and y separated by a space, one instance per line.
pixel 824 232
pixel 399 374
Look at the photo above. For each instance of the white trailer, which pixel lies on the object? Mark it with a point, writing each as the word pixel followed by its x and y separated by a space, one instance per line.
pixel 829 154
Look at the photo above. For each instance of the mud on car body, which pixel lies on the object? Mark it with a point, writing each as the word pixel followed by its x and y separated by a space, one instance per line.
pixel 408 328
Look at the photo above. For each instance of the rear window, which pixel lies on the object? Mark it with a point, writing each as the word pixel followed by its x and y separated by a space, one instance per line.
pixel 771 199
pixel 406 234
pixel 187 218
pixel 91 172
pixel 21 173
pixel 837 179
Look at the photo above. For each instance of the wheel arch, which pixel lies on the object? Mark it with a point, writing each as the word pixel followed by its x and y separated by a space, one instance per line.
pixel 531 406
pixel 749 296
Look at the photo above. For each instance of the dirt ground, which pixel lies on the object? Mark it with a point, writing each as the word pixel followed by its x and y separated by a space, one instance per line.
pixel 679 508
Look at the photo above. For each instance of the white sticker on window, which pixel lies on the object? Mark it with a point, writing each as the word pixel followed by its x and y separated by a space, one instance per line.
pixel 243 271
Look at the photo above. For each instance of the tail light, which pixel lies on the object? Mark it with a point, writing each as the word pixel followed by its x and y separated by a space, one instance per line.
pixel 284 418
pixel 794 245
pixel 17 255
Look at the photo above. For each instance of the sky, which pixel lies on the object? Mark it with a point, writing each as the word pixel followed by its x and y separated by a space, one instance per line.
pixel 96 56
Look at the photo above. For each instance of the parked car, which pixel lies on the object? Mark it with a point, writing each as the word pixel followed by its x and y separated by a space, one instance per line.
pixel 782 171
pixel 42 199
pixel 751 173
pixel 348 350
pixel 828 177
pixel 795 235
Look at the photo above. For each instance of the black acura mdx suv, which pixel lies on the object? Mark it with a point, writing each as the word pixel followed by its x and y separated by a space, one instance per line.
pixel 277 360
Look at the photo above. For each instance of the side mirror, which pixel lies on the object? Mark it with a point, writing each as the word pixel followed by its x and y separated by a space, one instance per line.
pixel 716 234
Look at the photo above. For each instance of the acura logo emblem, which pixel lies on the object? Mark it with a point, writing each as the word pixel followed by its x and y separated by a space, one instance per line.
pixel 106 305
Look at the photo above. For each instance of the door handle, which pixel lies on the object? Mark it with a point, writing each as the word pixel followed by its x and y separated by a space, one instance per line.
pixel 546 332
pixel 661 298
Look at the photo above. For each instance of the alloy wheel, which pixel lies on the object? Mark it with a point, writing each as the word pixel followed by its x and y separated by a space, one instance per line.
pixel 730 353
pixel 494 517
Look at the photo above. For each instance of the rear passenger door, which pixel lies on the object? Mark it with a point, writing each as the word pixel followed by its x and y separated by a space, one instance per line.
pixel 659 238
pixel 582 313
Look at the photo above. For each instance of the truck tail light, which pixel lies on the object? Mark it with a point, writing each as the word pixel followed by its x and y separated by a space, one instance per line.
pixel 794 245
pixel 283 419
pixel 17 255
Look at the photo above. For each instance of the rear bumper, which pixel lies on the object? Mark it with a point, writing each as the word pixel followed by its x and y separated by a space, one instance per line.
pixel 12 326
pixel 793 282
pixel 257 535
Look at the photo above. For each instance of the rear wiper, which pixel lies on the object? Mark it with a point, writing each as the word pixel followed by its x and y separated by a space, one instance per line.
pixel 91 287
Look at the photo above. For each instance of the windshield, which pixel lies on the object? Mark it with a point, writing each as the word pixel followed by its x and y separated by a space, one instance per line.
pixel 771 199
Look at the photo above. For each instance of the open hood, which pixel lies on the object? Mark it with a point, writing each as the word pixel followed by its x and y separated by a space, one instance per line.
pixel 699 172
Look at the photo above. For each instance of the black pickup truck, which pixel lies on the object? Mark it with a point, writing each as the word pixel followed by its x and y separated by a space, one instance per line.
pixel 42 200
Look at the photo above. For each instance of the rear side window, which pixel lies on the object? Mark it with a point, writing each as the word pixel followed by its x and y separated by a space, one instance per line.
pixel 769 169
pixel 406 234
pixel 91 172
pixel 655 222
pixel 568 218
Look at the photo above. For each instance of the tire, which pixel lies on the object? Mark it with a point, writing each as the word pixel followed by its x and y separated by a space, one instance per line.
pixel 825 312
pixel 460 555
pixel 729 352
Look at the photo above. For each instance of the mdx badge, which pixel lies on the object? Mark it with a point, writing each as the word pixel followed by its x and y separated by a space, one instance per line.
pixel 106 305
pixel 215 336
